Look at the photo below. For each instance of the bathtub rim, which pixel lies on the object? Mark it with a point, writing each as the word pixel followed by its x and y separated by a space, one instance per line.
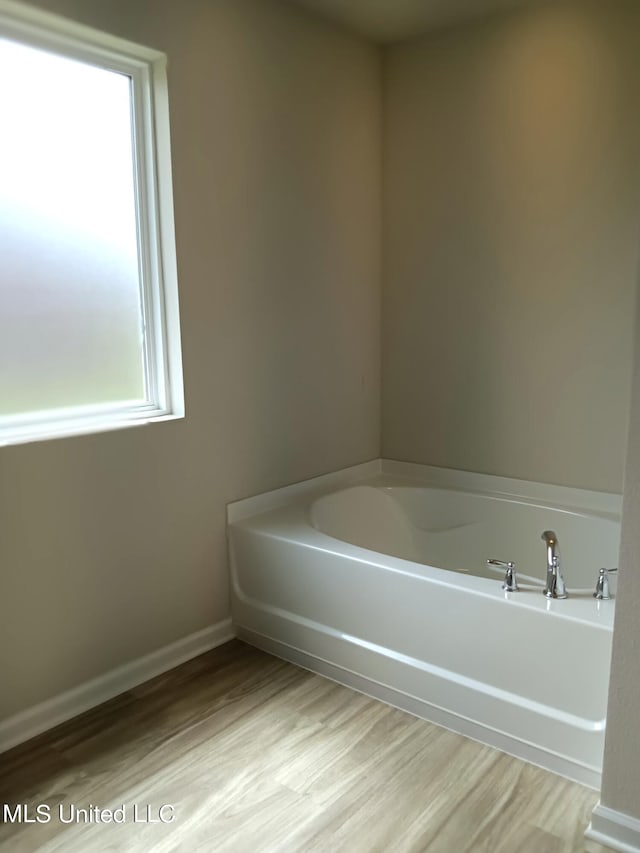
pixel 295 500
pixel 296 529
pixel 574 499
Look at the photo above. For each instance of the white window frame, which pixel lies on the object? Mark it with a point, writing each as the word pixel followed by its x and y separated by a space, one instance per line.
pixel 156 240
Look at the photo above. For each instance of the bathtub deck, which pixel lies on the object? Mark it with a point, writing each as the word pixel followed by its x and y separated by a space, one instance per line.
pixel 256 754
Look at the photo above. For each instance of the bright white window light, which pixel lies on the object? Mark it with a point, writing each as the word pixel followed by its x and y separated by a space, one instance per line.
pixel 88 302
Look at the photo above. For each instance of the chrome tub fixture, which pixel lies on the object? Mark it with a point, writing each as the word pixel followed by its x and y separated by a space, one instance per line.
pixel 602 586
pixel 510 583
pixel 555 586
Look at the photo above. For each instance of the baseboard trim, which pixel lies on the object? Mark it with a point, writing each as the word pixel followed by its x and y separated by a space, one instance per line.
pixel 614 829
pixel 44 716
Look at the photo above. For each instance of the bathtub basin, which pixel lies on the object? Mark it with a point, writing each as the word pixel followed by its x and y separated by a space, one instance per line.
pixel 378 579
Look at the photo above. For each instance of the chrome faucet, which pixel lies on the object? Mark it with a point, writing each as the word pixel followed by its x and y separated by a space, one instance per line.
pixel 555 587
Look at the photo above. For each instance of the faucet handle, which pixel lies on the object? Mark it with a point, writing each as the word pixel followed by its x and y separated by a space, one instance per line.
pixel 510 583
pixel 602 585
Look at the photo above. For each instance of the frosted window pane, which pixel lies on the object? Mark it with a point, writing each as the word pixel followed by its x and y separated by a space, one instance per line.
pixel 70 311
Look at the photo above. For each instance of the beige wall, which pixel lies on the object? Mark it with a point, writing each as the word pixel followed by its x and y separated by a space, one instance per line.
pixel 113 545
pixel 621 771
pixel 512 215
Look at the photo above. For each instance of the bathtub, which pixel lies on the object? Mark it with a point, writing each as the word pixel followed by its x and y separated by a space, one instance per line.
pixel 377 577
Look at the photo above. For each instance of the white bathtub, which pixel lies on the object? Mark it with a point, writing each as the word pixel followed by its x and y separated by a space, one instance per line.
pixel 377 577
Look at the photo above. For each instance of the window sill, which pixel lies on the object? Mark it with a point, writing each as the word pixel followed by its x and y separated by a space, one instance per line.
pixel 77 427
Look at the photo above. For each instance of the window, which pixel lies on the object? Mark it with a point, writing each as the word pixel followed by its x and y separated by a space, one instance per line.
pixel 89 332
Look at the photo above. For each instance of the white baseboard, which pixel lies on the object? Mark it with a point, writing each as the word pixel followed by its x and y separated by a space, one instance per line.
pixel 614 829
pixel 52 712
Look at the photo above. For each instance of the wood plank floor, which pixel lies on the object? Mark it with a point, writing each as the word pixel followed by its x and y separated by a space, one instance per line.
pixel 255 754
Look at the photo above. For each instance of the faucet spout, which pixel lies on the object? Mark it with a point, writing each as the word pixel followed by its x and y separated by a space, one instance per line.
pixel 555 586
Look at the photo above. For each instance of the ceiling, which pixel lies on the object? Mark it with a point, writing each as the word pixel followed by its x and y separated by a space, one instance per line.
pixel 392 20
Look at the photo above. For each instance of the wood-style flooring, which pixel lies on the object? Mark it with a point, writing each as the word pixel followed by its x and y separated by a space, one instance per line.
pixel 255 754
